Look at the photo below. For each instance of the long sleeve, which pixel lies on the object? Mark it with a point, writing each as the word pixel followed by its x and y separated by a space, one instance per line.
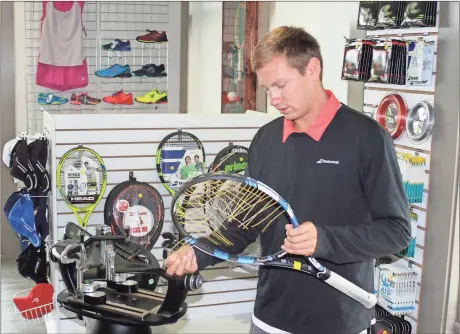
pixel 390 229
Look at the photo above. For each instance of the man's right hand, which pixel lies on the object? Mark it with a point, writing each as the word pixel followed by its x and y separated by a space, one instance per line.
pixel 181 262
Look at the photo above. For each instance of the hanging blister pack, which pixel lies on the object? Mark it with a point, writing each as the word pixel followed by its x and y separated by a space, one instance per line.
pixel 367 59
pixel 415 14
pixel 388 14
pixel 420 63
pixel 352 60
pixel 368 15
pixel 381 54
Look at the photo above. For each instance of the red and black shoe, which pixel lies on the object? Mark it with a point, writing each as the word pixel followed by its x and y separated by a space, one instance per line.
pixel 83 99
pixel 153 36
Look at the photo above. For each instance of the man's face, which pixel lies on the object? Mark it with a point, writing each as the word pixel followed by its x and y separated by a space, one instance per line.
pixel 288 90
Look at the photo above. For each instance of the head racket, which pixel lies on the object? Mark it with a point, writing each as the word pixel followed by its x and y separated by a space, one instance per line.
pixel 179 158
pixel 81 180
pixel 218 213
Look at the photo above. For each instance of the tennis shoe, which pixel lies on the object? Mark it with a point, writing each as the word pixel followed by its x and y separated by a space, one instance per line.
pixel 119 98
pixel 50 98
pixel 118 45
pixel 153 36
pixel 115 71
pixel 154 97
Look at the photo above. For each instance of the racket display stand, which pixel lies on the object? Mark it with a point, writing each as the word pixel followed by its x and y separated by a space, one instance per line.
pixel 128 142
pixel 423 161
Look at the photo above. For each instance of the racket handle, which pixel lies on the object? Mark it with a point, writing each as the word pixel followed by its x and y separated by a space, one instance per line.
pixel 368 300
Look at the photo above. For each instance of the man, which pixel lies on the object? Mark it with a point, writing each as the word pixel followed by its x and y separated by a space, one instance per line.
pixel 337 168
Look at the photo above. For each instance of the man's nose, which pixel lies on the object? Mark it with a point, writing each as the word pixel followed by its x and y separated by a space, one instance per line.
pixel 275 100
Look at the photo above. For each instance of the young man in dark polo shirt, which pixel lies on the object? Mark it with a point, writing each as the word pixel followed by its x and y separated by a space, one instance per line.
pixel 337 168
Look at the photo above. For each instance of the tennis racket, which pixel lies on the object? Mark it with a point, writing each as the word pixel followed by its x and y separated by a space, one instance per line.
pixel 214 210
pixel 231 159
pixel 81 180
pixel 179 158
pixel 138 208
pixel 239 37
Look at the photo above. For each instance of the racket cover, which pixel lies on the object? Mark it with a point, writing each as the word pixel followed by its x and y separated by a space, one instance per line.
pixel 179 158
pixel 135 209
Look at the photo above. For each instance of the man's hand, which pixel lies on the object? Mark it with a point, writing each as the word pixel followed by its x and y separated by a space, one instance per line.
pixel 181 262
pixel 300 240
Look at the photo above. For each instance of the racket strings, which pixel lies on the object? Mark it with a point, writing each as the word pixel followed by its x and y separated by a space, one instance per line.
pixel 214 209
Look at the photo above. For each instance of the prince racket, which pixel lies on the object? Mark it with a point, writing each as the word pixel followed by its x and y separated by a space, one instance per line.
pixel 179 158
pixel 81 180
pixel 214 212
pixel 231 159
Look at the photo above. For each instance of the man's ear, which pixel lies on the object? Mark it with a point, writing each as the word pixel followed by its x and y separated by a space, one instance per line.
pixel 314 68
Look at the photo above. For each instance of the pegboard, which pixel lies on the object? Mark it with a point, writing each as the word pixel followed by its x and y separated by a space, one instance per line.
pixel 412 94
pixel 104 22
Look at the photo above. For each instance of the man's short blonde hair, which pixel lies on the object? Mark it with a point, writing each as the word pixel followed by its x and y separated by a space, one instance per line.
pixel 295 43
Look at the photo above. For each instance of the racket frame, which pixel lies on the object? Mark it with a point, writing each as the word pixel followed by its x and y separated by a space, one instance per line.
pixel 109 218
pixel 239 44
pixel 224 154
pixel 102 184
pixel 159 159
pixel 316 269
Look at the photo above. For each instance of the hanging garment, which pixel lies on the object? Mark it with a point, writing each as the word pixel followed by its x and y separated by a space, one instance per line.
pixel 59 77
pixel 61 43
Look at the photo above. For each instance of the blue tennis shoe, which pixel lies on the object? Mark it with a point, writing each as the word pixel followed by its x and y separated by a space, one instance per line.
pixel 115 71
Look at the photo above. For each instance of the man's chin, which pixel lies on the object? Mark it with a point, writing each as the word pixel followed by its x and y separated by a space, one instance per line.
pixel 289 116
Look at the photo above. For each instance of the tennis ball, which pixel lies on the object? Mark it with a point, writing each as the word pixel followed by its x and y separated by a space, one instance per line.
pixel 232 96
pixel 139 195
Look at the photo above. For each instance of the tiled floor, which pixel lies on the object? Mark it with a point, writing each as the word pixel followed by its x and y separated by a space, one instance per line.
pixel 12 282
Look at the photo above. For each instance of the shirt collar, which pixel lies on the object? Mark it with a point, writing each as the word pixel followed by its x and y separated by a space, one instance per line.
pixel 320 125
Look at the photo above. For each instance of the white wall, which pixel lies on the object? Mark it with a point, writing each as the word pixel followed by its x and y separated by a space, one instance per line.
pixel 204 65
pixel 454 292
pixel 328 23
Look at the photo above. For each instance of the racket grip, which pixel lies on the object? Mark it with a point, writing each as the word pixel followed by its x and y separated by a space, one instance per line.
pixel 368 300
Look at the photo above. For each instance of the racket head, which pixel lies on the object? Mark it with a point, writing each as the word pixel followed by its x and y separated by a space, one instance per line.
pixel 81 180
pixel 231 159
pixel 213 209
pixel 137 207
pixel 180 157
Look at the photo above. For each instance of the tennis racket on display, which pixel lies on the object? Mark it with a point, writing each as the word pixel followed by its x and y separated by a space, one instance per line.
pixel 239 27
pixel 180 157
pixel 136 210
pixel 231 159
pixel 81 180
pixel 213 210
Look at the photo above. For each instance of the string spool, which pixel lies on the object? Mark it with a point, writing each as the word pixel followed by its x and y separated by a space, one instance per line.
pixel 392 114
pixel 420 122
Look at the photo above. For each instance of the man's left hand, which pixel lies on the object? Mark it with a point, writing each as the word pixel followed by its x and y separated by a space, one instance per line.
pixel 300 240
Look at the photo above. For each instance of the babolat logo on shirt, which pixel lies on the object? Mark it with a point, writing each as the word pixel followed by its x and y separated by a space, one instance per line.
pixel 323 161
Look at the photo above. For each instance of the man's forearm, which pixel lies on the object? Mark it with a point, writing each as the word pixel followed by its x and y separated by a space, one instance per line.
pixel 354 243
